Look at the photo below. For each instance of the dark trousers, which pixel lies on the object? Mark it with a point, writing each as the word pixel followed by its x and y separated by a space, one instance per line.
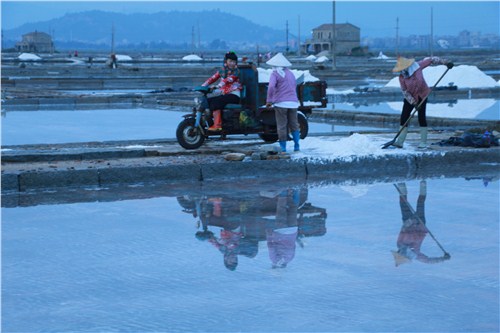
pixel 219 102
pixel 408 108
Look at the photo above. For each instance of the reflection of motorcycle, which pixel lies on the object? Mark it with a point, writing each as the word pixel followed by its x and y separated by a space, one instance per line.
pixel 254 214
pixel 250 116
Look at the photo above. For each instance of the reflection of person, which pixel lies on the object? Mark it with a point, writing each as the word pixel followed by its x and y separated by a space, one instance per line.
pixel 231 242
pixel 282 94
pixel 415 90
pixel 282 236
pixel 229 87
pixel 414 229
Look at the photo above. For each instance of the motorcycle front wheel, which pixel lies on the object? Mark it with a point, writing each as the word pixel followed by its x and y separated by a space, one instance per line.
pixel 188 136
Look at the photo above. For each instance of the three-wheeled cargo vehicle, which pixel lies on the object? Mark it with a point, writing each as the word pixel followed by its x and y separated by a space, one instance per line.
pixel 250 116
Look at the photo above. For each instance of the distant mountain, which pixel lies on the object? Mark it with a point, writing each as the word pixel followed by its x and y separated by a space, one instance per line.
pixel 176 28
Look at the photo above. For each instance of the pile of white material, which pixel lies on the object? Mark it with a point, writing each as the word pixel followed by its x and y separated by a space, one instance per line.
pixel 382 56
pixel 123 57
pixel 191 57
pixel 264 75
pixel 28 57
pixel 462 76
pixel 321 59
pixel 311 58
pixel 347 149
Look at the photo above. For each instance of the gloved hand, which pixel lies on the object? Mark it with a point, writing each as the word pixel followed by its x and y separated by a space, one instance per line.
pixel 449 65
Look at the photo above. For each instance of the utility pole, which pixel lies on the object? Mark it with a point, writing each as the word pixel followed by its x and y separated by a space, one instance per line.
pixel 192 39
pixel 199 38
pixel 431 40
pixel 298 42
pixel 397 36
pixel 287 37
pixel 333 45
pixel 113 38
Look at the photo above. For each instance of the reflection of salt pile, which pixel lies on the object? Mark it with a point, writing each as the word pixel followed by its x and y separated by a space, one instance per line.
pixel 191 57
pixel 264 75
pixel 462 76
pixel 29 57
pixel 355 190
pixel 463 108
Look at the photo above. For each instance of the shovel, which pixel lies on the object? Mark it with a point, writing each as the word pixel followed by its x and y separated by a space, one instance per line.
pixel 420 221
pixel 390 143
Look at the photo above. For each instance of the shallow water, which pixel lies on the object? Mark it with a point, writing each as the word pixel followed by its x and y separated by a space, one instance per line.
pixel 37 127
pixel 167 262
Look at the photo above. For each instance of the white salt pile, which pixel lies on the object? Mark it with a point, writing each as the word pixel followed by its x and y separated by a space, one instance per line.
pixel 321 60
pixel 123 57
pixel 264 75
pixel 191 57
pixel 349 148
pixel 28 57
pixel 463 76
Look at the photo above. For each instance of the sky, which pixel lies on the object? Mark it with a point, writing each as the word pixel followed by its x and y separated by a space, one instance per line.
pixel 375 18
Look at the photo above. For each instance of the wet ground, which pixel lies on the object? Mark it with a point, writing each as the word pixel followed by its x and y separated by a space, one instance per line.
pixel 345 251
pixel 280 257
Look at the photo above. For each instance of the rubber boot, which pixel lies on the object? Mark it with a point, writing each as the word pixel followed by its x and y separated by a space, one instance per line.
pixel 283 146
pixel 401 137
pixel 296 138
pixel 423 138
pixel 217 126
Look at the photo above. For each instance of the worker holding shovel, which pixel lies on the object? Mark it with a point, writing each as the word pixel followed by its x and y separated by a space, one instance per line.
pixel 415 92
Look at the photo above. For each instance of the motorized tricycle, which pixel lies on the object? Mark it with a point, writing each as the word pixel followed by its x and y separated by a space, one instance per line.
pixel 250 116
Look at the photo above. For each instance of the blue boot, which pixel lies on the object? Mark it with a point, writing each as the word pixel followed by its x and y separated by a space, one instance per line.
pixel 296 138
pixel 283 146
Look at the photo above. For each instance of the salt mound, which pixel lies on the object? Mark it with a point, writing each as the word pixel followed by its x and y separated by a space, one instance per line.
pixel 123 57
pixel 29 57
pixel 192 57
pixel 311 58
pixel 264 75
pixel 356 145
pixel 463 76
pixel 382 56
pixel 321 59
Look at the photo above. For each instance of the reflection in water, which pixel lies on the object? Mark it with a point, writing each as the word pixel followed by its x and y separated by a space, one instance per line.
pixel 414 229
pixel 281 218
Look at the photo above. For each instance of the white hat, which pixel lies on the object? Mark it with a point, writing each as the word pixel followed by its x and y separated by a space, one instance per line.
pixel 279 60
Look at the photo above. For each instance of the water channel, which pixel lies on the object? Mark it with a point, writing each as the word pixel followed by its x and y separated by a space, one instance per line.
pixel 419 255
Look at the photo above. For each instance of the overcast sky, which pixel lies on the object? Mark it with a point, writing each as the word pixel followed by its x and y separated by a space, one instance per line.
pixel 375 18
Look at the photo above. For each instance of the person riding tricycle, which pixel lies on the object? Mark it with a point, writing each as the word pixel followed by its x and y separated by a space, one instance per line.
pixel 237 105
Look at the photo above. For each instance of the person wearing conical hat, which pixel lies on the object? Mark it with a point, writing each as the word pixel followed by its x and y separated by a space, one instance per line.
pixel 413 230
pixel 282 96
pixel 415 90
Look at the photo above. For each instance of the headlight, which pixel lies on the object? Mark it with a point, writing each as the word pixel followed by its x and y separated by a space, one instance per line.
pixel 196 100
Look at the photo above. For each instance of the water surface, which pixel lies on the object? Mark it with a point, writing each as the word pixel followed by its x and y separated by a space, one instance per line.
pixel 317 257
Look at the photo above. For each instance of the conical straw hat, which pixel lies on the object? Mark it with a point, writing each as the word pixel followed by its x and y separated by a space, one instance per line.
pixel 279 60
pixel 402 64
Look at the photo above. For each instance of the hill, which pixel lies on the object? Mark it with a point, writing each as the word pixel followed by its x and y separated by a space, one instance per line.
pixel 178 29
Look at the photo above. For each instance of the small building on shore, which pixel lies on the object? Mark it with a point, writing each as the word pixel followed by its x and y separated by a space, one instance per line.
pixel 347 38
pixel 36 41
